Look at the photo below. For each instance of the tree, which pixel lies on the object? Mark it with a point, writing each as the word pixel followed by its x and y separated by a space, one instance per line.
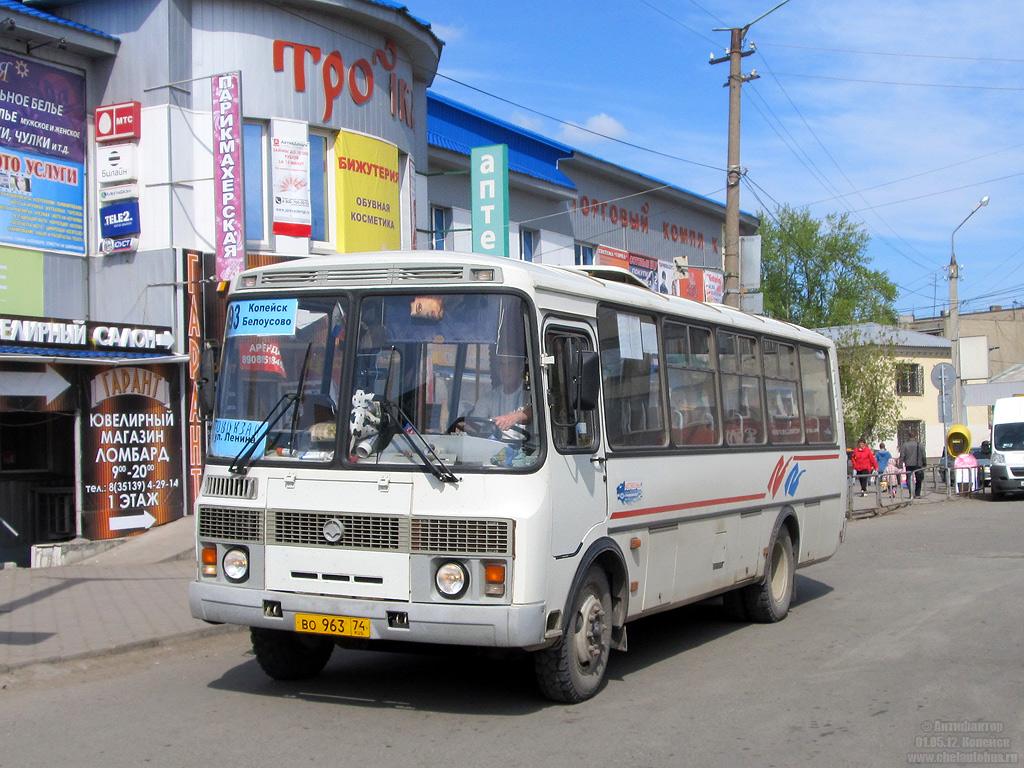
pixel 814 273
pixel 867 383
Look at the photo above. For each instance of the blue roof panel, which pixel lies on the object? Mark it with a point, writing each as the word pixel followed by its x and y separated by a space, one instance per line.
pixel 459 128
pixel 18 7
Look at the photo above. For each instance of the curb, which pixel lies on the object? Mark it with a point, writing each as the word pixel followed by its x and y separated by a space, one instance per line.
pixel 137 645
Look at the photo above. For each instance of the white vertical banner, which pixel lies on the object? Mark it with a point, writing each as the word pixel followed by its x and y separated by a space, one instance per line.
pixel 289 158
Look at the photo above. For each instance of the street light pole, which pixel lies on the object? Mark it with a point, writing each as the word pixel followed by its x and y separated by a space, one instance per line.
pixel 954 316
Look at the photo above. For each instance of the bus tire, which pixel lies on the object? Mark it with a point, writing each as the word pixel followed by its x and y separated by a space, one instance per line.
pixel 573 669
pixel 769 600
pixel 285 655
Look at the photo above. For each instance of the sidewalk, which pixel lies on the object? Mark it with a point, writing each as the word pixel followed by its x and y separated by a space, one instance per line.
pixel 131 596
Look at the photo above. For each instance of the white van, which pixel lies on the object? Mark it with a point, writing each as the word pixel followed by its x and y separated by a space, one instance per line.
pixel 1007 470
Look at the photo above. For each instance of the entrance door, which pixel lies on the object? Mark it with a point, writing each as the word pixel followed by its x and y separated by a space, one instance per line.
pixel 577 461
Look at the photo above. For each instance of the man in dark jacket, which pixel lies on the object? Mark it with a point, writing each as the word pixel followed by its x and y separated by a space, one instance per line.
pixel 912 457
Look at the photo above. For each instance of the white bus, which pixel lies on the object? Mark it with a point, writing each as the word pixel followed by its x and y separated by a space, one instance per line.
pixel 450 449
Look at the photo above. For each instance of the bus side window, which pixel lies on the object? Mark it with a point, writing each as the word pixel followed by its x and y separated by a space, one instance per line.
pixel 574 430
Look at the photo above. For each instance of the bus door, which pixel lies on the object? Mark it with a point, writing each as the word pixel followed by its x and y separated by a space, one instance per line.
pixel 577 461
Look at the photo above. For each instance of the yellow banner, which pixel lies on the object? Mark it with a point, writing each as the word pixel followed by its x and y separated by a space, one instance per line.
pixel 366 175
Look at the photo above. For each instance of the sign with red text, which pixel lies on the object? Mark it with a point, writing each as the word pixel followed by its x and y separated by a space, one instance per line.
pixel 293 215
pixel 228 198
pixel 42 156
pixel 118 121
pixel 368 193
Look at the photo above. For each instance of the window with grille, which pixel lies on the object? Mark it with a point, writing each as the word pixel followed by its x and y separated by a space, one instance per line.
pixel 909 379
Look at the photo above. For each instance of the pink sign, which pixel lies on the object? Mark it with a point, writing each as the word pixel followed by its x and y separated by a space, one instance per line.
pixel 229 205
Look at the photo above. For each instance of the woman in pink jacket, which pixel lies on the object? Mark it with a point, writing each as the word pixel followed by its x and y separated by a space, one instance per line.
pixel 864 464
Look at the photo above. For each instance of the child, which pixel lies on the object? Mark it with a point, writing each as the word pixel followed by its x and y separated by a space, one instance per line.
pixel 893 475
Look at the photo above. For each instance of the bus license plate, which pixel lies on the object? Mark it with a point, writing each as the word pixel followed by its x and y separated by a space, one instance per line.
pixel 345 626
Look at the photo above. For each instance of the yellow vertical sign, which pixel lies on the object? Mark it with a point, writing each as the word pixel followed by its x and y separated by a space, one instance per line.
pixel 367 179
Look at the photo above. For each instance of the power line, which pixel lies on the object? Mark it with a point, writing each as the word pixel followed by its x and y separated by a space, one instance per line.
pixel 889 53
pixel 888 82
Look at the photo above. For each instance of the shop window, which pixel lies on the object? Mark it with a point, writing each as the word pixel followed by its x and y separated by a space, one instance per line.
pixel 440 223
pixel 319 188
pixel 584 254
pixel 254 153
pixel 256 164
pixel 528 241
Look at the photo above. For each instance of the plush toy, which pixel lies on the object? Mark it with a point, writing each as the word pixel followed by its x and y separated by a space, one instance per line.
pixel 364 421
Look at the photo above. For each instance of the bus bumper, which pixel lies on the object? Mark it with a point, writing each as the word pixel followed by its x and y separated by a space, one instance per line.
pixel 495 626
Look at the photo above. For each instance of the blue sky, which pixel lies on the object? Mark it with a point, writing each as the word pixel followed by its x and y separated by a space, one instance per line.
pixel 903 113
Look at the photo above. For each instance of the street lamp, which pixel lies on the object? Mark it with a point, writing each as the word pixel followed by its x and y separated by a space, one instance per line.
pixel 954 315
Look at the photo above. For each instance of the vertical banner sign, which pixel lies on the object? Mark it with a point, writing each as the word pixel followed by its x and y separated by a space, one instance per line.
pixel 369 196
pixel 42 156
pixel 194 325
pixel 131 450
pixel 293 215
pixel 229 203
pixel 489 182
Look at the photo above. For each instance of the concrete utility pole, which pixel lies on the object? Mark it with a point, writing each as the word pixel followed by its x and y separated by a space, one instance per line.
pixel 954 317
pixel 731 246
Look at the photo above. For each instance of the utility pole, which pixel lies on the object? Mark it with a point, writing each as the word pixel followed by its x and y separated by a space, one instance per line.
pixel 731 246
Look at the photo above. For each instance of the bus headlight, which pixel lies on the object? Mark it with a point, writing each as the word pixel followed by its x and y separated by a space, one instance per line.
pixel 451 579
pixel 236 564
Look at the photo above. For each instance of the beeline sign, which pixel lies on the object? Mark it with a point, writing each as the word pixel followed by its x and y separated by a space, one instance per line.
pixel 118 121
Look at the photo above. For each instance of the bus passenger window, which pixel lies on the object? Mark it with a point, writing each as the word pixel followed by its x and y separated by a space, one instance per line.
pixel 630 366
pixel 692 385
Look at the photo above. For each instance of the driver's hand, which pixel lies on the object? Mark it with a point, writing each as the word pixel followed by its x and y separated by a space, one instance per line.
pixel 509 420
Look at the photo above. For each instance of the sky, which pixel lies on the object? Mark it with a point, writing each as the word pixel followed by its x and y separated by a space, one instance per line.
pixel 902 114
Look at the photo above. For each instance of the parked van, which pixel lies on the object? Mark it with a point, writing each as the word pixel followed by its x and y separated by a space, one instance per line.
pixel 1007 469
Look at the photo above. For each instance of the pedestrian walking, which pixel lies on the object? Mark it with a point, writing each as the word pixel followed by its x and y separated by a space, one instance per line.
pixel 912 457
pixel 864 464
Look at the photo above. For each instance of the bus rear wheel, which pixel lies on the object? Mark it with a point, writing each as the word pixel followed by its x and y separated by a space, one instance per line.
pixel 769 601
pixel 287 655
pixel 573 669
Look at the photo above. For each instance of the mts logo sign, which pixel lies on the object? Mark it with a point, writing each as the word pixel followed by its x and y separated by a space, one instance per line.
pixel 118 121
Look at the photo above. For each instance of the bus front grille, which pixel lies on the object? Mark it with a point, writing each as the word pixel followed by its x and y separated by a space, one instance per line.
pixel 419 535
pixel 348 531
pixel 462 537
pixel 230 487
pixel 230 524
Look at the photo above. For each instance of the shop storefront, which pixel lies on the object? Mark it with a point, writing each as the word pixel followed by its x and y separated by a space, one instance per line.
pixel 131 186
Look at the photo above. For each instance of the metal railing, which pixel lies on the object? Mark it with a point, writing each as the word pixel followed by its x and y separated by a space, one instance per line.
pixel 886 489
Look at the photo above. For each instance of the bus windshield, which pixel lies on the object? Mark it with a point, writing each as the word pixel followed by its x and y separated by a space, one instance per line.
pixel 439 382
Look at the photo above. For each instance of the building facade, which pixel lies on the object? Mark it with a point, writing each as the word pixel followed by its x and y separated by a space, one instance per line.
pixel 151 149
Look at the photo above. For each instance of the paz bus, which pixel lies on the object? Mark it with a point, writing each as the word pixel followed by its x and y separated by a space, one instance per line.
pixel 654 452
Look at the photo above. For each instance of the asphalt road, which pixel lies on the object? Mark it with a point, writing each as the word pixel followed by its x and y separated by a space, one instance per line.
pixel 903 649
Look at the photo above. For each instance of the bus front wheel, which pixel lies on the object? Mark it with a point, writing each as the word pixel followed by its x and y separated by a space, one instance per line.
pixel 285 655
pixel 573 669
pixel 769 601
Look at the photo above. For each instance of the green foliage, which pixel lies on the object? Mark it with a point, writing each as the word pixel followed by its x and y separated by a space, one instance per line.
pixel 814 273
pixel 867 383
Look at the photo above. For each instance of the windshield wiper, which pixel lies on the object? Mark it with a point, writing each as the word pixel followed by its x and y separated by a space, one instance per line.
pixel 392 417
pixel 301 392
pixel 240 464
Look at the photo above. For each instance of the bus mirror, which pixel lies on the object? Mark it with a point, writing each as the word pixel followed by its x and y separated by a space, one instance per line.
pixel 206 380
pixel 587 382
